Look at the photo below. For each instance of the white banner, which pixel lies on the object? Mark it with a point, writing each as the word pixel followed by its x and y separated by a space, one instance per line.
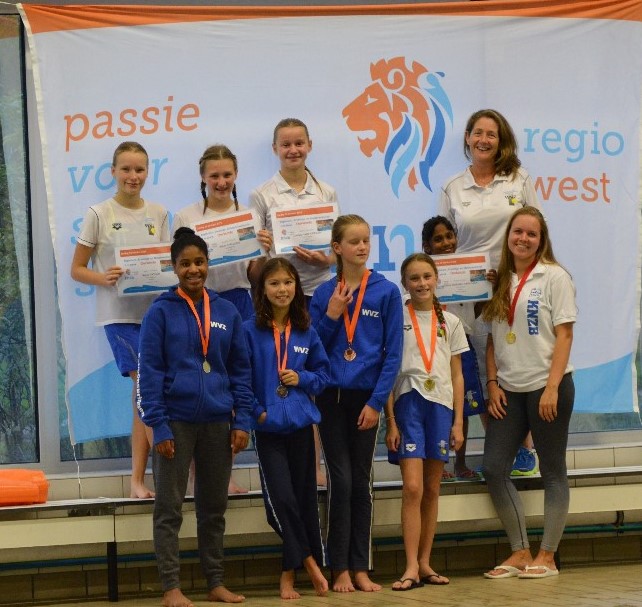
pixel 386 92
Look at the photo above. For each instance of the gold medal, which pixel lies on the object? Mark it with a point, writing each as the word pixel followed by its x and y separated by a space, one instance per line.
pixel 206 366
pixel 429 384
pixel 511 337
pixel 281 390
pixel 349 354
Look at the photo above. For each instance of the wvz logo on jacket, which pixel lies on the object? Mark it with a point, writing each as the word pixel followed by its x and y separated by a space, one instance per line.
pixel 373 313
pixel 532 308
pixel 218 325
pixel 301 350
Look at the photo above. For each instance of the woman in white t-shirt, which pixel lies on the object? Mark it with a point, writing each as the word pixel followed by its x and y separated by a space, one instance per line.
pixel 123 220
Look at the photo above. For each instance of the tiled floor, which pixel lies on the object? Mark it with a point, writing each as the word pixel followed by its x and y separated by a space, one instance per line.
pixel 593 586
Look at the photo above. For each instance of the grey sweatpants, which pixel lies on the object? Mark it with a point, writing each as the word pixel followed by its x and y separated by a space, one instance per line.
pixel 209 445
pixel 503 438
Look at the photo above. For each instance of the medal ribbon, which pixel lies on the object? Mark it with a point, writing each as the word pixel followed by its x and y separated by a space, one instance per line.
pixel 204 334
pixel 520 286
pixel 280 364
pixel 351 323
pixel 428 360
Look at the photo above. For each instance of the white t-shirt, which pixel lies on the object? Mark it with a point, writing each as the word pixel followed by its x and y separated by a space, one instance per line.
pixel 413 371
pixel 276 193
pixel 481 214
pixel 546 300
pixel 219 278
pixel 107 226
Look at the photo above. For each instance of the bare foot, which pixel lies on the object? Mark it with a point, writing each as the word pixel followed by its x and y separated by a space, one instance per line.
pixel 175 598
pixel 286 585
pixel 234 489
pixel 316 577
pixel 139 491
pixel 343 582
pixel 363 582
pixel 220 594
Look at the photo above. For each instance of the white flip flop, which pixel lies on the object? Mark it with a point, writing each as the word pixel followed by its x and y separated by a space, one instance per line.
pixel 509 569
pixel 528 574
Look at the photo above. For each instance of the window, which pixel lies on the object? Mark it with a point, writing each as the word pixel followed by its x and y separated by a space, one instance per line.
pixel 18 413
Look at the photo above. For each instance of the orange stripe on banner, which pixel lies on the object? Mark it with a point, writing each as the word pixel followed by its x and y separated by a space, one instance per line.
pixel 155 250
pixel 56 18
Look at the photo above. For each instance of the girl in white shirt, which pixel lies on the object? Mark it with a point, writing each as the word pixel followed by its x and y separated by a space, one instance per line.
pixel 424 414
pixel 126 219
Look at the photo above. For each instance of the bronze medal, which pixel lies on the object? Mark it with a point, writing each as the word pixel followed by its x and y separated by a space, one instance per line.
pixel 511 338
pixel 429 384
pixel 281 390
pixel 206 366
pixel 349 354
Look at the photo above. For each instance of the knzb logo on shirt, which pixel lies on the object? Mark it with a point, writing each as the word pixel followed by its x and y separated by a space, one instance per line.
pixel 532 308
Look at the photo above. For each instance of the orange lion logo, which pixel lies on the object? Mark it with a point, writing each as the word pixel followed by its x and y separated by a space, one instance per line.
pixel 403 112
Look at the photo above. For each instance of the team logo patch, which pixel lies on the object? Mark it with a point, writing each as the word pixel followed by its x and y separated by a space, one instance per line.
pixel 403 115
pixel 151 228
pixel 411 447
pixel 116 226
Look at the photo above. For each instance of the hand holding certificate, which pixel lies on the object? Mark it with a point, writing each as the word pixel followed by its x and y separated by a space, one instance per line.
pixel 231 238
pixel 462 277
pixel 145 269
pixel 307 226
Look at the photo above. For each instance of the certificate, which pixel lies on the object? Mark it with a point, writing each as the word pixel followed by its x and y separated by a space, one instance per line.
pixel 463 278
pixel 146 269
pixel 307 226
pixel 230 238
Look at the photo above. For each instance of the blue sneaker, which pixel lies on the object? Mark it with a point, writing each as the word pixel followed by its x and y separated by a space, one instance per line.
pixel 525 463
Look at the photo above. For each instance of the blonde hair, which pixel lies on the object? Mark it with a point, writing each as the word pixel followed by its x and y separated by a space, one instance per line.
pixel 129 146
pixel 338 230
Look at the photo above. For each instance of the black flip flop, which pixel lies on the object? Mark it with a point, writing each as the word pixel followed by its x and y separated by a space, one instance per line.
pixel 430 580
pixel 413 584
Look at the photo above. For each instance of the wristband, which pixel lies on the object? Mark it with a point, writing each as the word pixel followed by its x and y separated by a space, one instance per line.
pixel 496 381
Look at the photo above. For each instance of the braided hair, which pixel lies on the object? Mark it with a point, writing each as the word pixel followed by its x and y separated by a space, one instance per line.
pixel 441 321
pixel 217 152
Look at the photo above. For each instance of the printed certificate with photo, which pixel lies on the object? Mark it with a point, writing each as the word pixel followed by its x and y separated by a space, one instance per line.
pixel 147 269
pixel 463 278
pixel 230 238
pixel 307 226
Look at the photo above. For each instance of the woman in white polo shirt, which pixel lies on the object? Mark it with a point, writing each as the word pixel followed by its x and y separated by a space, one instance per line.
pixel 530 386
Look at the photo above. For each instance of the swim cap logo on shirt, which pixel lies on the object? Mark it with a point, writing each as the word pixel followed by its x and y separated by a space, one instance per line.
pixel 406 110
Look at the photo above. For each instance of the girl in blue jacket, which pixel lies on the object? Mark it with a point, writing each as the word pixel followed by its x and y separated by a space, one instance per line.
pixel 289 365
pixel 358 316
pixel 194 391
